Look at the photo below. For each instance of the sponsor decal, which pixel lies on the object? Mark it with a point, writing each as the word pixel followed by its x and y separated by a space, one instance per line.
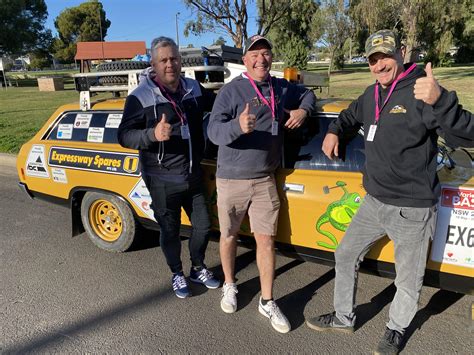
pixel 398 109
pixel 93 160
pixel 453 242
pixel 141 198
pixel 64 131
pixel 35 164
pixel 83 120
pixel 95 134
pixel 59 175
pixel 113 120
pixel 130 164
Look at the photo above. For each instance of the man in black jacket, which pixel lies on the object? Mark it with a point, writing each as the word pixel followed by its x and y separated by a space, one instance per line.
pixel 402 186
pixel 162 118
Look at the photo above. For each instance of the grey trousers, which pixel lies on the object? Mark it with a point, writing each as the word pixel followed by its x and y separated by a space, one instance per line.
pixel 410 229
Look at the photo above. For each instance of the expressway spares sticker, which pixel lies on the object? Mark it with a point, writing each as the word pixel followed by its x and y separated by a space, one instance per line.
pixel 94 160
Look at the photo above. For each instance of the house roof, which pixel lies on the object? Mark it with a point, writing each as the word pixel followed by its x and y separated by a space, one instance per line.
pixel 109 50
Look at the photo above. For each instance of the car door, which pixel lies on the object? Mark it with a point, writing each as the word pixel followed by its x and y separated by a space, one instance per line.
pixel 319 196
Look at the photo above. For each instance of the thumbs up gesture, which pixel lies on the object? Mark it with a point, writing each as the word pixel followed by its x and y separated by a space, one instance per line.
pixel 427 88
pixel 247 120
pixel 163 129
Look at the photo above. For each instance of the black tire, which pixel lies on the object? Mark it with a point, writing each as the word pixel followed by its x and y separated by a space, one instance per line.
pixel 108 221
pixel 214 76
pixel 122 65
pixel 117 66
pixel 198 61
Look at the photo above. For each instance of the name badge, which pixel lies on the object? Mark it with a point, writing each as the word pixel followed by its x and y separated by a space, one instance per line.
pixel 371 134
pixel 274 128
pixel 184 131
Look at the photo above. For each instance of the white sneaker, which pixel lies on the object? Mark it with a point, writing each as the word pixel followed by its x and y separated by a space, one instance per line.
pixel 229 298
pixel 277 318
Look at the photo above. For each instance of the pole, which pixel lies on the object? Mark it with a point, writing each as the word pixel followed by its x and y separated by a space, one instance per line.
pixel 177 33
pixel 100 29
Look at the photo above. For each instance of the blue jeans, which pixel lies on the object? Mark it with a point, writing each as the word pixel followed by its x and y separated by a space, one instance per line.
pixel 167 200
pixel 410 229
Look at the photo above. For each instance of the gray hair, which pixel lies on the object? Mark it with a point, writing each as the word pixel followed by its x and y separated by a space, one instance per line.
pixel 160 42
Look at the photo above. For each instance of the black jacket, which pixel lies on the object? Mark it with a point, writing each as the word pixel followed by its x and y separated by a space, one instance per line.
pixel 143 109
pixel 400 166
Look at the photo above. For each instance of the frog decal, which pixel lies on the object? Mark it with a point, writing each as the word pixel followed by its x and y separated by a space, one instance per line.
pixel 338 214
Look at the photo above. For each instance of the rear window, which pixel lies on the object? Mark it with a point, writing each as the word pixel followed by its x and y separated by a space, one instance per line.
pixel 303 148
pixel 94 127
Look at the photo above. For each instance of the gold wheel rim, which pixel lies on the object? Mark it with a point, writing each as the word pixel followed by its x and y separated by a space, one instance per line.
pixel 105 220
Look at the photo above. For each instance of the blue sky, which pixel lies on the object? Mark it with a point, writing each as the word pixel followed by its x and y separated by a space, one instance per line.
pixel 143 20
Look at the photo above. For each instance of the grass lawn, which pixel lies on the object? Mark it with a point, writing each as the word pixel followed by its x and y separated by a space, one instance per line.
pixel 350 84
pixel 24 109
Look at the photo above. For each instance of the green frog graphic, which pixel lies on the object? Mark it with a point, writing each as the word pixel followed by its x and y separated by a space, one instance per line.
pixel 338 214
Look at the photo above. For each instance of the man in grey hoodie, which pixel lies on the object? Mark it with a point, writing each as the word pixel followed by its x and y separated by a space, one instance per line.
pixel 162 118
pixel 247 123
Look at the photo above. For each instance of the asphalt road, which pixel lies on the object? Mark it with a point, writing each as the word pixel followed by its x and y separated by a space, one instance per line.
pixel 62 295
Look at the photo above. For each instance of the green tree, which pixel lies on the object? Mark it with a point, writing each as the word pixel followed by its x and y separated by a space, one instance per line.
pixel 271 12
pixel 79 24
pixel 219 42
pixel 39 59
pixel 465 37
pixel 219 16
pixel 432 26
pixel 292 32
pixel 22 26
pixel 334 17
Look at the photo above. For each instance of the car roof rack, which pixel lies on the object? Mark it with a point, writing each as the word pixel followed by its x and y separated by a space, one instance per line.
pixel 211 77
pixel 127 80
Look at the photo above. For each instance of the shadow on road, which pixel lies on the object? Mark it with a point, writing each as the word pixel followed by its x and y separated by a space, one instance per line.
pixel 293 304
pixel 365 312
pixel 438 303
pixel 250 288
pixel 117 311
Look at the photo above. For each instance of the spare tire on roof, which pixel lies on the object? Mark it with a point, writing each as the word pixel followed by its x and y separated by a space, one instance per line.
pixel 118 66
pixel 122 65
pixel 198 61
pixel 212 76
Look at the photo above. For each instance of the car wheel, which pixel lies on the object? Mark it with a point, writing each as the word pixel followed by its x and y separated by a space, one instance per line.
pixel 108 221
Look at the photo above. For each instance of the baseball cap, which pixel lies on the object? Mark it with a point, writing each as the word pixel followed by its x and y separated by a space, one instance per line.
pixel 383 41
pixel 251 41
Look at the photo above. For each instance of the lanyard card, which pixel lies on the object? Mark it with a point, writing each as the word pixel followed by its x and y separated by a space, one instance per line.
pixel 274 128
pixel 184 131
pixel 371 134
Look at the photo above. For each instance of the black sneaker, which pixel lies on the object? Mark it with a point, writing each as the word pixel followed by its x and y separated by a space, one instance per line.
pixel 329 322
pixel 390 343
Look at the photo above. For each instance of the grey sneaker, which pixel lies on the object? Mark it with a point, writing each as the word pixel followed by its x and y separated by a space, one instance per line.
pixel 229 298
pixel 277 318
pixel 329 322
pixel 390 343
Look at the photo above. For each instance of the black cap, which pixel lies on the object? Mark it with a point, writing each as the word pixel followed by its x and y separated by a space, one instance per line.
pixel 251 41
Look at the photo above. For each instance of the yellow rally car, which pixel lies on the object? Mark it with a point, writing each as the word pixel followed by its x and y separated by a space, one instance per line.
pixel 75 160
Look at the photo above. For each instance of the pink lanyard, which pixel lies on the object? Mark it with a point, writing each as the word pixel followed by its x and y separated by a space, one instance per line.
pixel 392 87
pixel 176 108
pixel 271 105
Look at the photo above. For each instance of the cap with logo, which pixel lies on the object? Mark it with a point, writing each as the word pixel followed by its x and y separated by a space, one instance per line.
pixel 251 41
pixel 383 41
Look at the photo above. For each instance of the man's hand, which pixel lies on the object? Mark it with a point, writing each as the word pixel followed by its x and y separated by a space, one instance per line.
pixel 427 88
pixel 247 120
pixel 163 129
pixel 296 119
pixel 331 145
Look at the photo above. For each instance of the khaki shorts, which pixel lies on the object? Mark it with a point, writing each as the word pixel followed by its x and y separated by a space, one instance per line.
pixel 257 196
